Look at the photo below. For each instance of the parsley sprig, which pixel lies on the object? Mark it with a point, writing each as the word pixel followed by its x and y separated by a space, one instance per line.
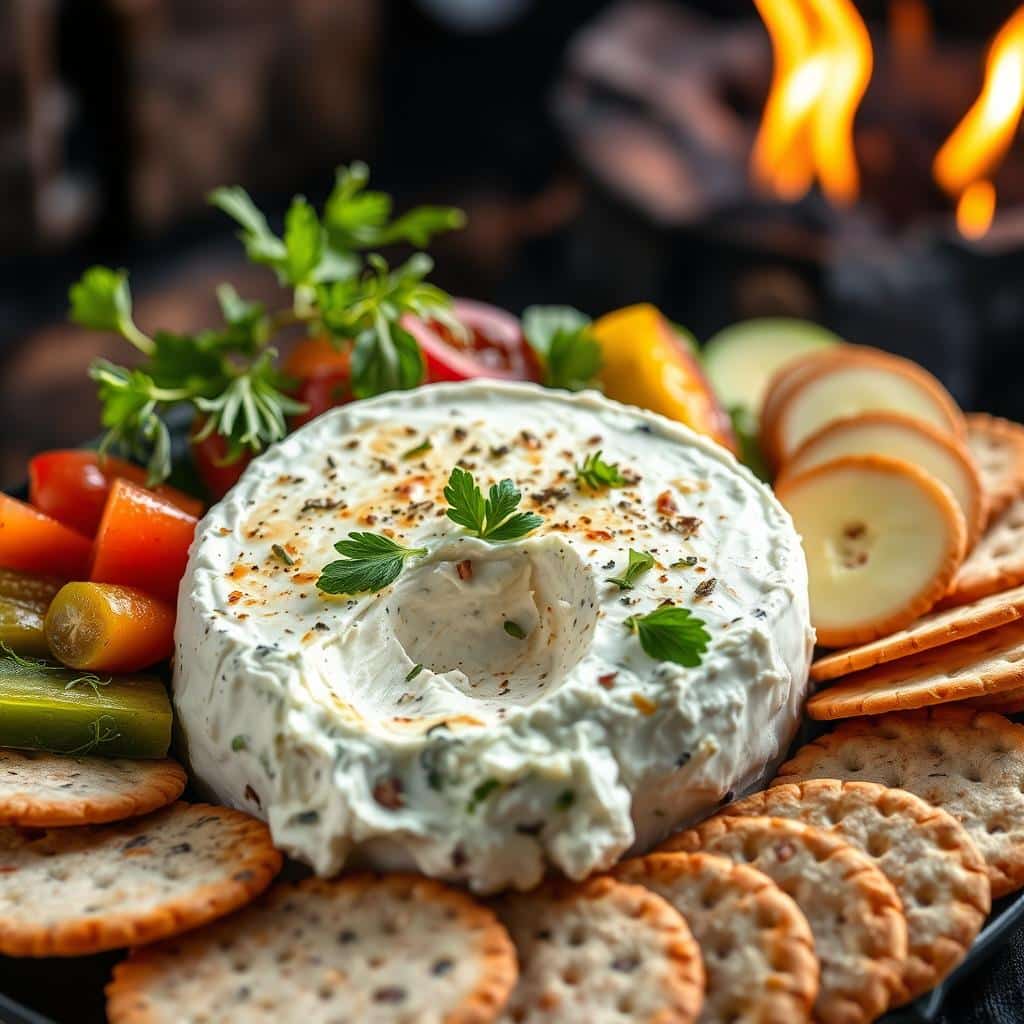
pixel 596 474
pixel 671 634
pixel 371 563
pixel 493 518
pixel 639 563
pixel 228 374
pixel 563 340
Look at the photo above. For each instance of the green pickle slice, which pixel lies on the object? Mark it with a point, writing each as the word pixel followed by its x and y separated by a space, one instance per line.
pixel 48 707
pixel 23 603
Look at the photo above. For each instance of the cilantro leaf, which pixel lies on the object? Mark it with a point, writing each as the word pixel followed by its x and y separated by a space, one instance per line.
pixel 102 301
pixel 597 474
pixel 261 244
pixel 494 518
pixel 562 338
pixel 640 562
pixel 371 563
pixel 303 242
pixel 671 634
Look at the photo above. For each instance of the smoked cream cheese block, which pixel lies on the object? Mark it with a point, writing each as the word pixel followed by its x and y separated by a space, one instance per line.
pixel 624 645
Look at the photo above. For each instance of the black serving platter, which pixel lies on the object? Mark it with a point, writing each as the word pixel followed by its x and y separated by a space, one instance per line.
pixel 70 990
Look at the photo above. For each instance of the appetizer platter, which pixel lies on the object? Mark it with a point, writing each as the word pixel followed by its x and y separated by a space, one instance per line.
pixel 468 667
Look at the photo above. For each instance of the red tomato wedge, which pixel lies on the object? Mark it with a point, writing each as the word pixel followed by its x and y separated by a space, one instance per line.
pixel 33 542
pixel 142 542
pixel 210 458
pixel 323 373
pixel 72 486
pixel 495 346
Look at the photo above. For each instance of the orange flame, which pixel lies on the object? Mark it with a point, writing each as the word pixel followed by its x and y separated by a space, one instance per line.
pixel 822 65
pixel 969 157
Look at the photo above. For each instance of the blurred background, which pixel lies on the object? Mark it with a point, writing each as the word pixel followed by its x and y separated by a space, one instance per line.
pixel 602 152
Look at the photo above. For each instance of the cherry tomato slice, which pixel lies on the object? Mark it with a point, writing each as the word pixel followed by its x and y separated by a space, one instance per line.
pixel 142 542
pixel 495 346
pixel 37 543
pixel 72 486
pixel 210 459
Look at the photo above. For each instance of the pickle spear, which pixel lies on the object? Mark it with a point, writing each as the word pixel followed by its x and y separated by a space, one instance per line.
pixel 48 707
pixel 24 600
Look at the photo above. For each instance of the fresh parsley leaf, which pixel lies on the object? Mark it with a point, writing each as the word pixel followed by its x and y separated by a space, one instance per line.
pixel 261 244
pixel 597 474
pixel 247 327
pixel 671 634
pixel 493 518
pixel 386 357
pixel 639 563
pixel 102 301
pixel 562 338
pixel 303 242
pixel 371 563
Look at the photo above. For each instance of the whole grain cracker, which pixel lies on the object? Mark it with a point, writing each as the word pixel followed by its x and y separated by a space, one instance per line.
pixel 998 449
pixel 48 790
pixel 366 948
pixel 75 891
pixel 968 762
pixel 933 630
pixel 991 662
pixel 933 864
pixel 860 933
pixel 997 561
pixel 601 952
pixel 757 946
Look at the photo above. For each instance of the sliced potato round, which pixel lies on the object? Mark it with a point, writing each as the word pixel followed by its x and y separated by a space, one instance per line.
pixel 741 359
pixel 901 437
pixel 883 540
pixel 855 381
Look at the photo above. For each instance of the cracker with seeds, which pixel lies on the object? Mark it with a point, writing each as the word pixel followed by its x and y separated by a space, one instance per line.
pixel 970 763
pixel 366 948
pixel 860 933
pixel 75 891
pixel 933 864
pixel 934 630
pixel 998 449
pixel 757 946
pixel 601 952
pixel 997 561
pixel 49 790
pixel 986 664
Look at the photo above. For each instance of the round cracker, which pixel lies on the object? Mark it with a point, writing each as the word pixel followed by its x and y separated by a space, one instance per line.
pixel 934 630
pixel 970 763
pixel 1009 702
pixel 997 561
pixel 600 951
pixel 860 933
pixel 934 866
pixel 757 946
pixel 359 948
pixel 44 790
pixel 991 662
pixel 75 891
pixel 998 449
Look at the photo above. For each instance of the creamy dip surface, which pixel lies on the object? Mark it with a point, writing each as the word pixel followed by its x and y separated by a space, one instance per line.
pixel 414 727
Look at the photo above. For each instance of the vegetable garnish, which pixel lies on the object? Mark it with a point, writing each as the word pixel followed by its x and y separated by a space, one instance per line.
pixel 420 449
pixel 494 518
pixel 481 793
pixel 596 474
pixel 228 374
pixel 639 563
pixel 280 553
pixel 568 350
pixel 371 563
pixel 514 629
pixel 671 634
pixel 413 673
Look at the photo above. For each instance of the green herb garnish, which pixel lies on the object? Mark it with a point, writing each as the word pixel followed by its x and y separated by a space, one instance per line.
pixel 102 732
pixel 596 474
pixel 413 673
pixel 562 338
pixel 671 634
pixel 685 563
pixel 22 662
pixel 239 743
pixel 514 629
pixel 91 680
pixel 481 793
pixel 494 518
pixel 639 563
pixel 565 800
pixel 371 563
pixel 280 553
pixel 420 449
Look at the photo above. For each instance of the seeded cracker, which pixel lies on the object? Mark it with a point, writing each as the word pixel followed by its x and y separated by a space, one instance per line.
pixel 970 763
pixel 997 561
pixel 75 891
pixel 362 949
pixel 600 952
pixel 931 861
pixel 860 933
pixel 998 448
pixel 756 945
pixel 48 790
